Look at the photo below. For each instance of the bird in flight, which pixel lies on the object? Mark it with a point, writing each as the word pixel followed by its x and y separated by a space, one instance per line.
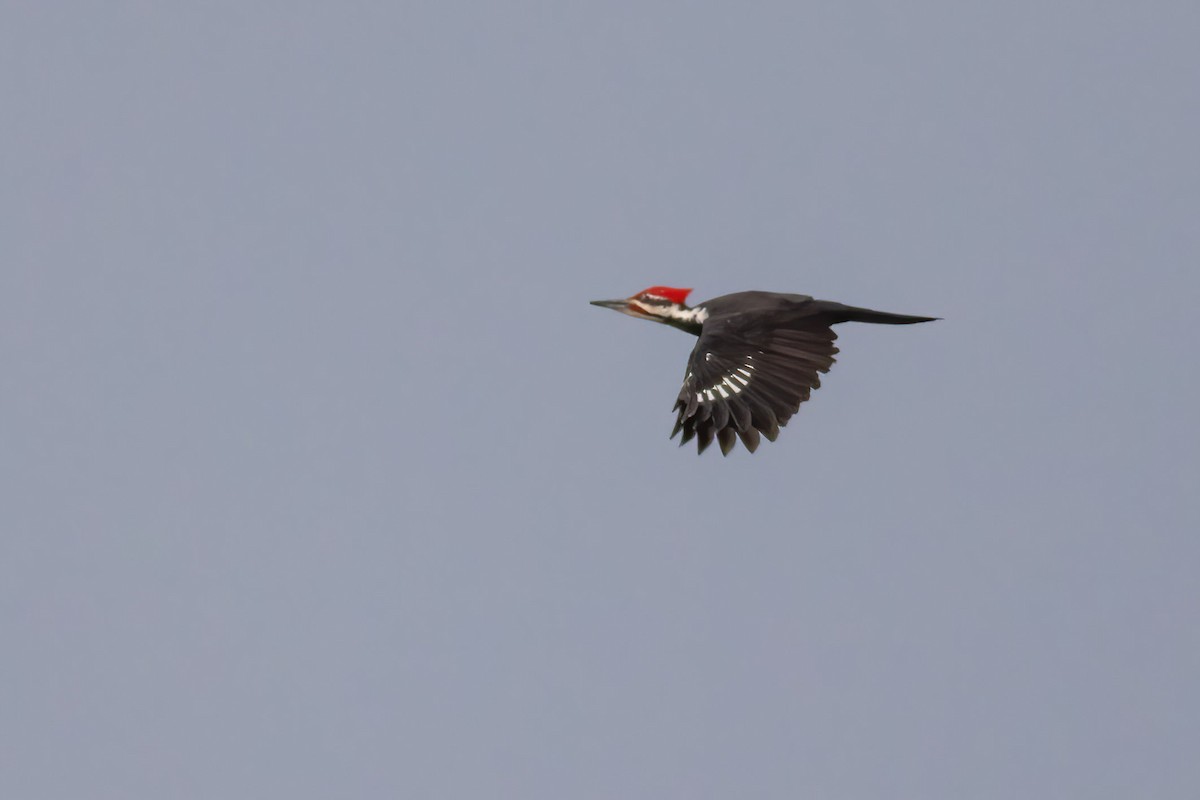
pixel 756 360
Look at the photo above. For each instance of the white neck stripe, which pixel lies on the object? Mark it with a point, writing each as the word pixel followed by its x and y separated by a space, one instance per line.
pixel 695 315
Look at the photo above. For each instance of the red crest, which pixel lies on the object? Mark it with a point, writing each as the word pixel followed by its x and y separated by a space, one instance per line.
pixel 670 293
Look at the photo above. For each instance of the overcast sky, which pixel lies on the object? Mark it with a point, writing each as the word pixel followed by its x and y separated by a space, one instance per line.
pixel 319 477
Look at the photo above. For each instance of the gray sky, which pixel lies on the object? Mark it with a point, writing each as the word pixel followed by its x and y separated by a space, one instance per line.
pixel 320 477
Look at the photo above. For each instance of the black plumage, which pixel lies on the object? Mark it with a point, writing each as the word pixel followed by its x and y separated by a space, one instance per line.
pixel 758 356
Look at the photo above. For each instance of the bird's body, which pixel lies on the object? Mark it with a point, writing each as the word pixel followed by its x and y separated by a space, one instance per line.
pixel 757 358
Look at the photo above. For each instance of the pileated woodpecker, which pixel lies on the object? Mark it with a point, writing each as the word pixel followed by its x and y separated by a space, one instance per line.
pixel 756 360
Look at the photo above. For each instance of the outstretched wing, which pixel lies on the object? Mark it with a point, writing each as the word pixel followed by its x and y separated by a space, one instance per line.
pixel 744 385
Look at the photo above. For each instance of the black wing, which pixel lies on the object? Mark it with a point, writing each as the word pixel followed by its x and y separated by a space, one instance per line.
pixel 744 385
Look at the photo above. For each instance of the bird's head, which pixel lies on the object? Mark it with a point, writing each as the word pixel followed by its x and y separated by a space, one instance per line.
pixel 663 304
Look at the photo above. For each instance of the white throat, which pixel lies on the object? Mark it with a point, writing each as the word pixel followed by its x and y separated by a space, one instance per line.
pixel 696 315
pixel 692 316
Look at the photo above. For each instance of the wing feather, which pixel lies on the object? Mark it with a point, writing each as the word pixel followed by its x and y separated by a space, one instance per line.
pixel 749 384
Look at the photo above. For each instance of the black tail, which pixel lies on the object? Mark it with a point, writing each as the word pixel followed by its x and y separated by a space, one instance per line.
pixel 841 313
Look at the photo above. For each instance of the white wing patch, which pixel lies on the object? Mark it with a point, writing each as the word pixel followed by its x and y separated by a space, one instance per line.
pixel 731 384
